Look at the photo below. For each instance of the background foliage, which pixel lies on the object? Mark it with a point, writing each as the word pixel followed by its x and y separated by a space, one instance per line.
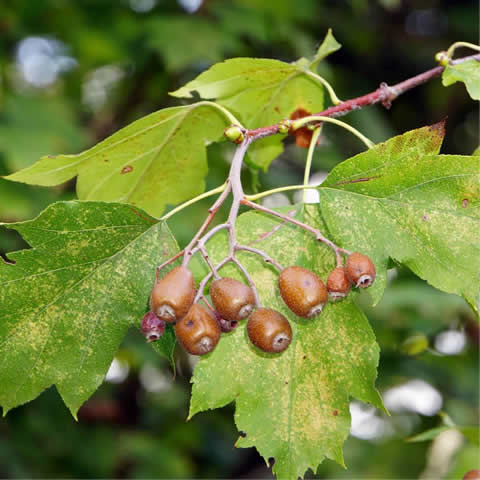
pixel 90 68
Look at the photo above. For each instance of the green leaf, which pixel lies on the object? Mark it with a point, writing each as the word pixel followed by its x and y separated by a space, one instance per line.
pixel 402 200
pixel 157 160
pixel 467 72
pixel 328 46
pixel 471 433
pixel 294 406
pixel 259 92
pixel 31 126
pixel 66 303
pixel 429 434
pixel 476 152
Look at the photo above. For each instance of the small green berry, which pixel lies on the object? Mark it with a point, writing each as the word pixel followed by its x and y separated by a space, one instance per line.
pixel 234 133
pixel 284 125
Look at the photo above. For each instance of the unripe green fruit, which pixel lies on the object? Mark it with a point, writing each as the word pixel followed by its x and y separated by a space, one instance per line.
pixel 198 332
pixel 338 284
pixel 269 330
pixel 360 270
pixel 172 296
pixel 233 300
pixel 304 292
pixel 234 133
pixel 284 125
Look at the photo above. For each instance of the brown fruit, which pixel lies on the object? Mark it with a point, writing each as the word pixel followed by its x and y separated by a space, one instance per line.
pixel 233 300
pixel 172 296
pixel 225 325
pixel 198 331
pixel 360 270
pixel 338 284
pixel 472 475
pixel 304 292
pixel 269 330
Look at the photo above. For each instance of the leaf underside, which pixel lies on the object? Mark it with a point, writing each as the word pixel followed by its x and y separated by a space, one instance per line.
pixel 66 303
pixel 158 160
pixel 293 407
pixel 402 200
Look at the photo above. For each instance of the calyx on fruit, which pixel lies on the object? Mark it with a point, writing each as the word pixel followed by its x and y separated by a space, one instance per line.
pixel 338 284
pixel 232 299
pixel 360 270
pixel 172 296
pixel 304 292
pixel 198 332
pixel 269 330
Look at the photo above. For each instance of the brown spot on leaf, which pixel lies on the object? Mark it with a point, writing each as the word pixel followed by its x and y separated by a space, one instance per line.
pixel 335 413
pixel 127 169
pixel 425 218
pixel 277 109
pixel 303 136
pixel 438 128
pixel 242 434
pixel 304 357
pixel 52 156
pixel 465 202
pixel 358 180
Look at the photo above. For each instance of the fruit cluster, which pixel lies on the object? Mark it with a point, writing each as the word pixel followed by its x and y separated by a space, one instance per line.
pixel 198 327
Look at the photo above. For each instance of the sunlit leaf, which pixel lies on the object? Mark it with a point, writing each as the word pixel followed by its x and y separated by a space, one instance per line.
pixel 296 409
pixel 261 92
pixel 402 200
pixel 155 161
pixel 66 303
pixel 467 72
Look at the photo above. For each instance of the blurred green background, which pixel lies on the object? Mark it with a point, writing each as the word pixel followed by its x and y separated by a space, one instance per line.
pixel 73 72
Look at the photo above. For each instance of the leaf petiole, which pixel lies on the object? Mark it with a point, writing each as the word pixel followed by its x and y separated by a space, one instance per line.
pixel 301 122
pixel 196 199
pixel 333 96
pixel 308 164
pixel 454 46
pixel 266 193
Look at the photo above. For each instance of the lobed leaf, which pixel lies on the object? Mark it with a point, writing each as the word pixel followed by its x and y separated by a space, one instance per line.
pixel 402 200
pixel 294 406
pixel 262 92
pixel 157 160
pixel 467 72
pixel 66 303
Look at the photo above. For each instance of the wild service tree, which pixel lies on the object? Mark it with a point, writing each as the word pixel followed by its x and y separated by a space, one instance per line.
pixel 267 298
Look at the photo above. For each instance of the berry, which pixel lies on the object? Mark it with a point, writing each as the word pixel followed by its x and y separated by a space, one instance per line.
pixel 360 270
pixel 152 327
pixel 225 325
pixel 269 330
pixel 284 125
pixel 338 284
pixel 233 300
pixel 472 475
pixel 304 292
pixel 198 331
pixel 234 133
pixel 172 296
